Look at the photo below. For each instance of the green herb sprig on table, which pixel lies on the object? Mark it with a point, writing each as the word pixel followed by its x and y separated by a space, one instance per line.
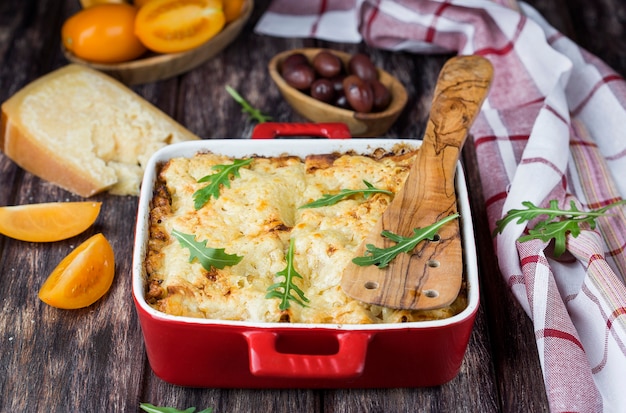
pixel 208 257
pixel 328 199
pixel 246 107
pixel 150 408
pixel 558 223
pixel 216 180
pixel 283 289
pixel 381 257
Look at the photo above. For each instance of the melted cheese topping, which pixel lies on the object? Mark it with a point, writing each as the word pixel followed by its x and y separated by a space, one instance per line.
pixel 255 218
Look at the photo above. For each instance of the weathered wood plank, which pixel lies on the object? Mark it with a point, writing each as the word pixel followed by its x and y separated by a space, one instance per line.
pixel 94 359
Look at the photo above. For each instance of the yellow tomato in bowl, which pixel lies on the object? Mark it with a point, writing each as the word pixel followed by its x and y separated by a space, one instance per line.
pixel 171 26
pixel 89 3
pixel 233 9
pixel 140 3
pixel 103 33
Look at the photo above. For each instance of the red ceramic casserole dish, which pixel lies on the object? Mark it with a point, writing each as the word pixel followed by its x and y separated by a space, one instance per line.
pixel 213 353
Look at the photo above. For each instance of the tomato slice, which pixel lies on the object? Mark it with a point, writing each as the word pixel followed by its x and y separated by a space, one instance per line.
pixel 171 26
pixel 47 222
pixel 82 277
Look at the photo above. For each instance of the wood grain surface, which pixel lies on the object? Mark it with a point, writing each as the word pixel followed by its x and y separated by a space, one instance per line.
pixel 93 360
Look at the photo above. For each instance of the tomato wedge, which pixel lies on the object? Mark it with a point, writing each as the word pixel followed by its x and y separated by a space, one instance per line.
pixel 171 26
pixel 47 222
pixel 82 277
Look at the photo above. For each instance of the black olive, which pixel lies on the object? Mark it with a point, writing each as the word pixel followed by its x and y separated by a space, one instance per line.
pixel 382 97
pixel 361 65
pixel 358 93
pixel 323 90
pixel 327 64
pixel 299 76
pixel 293 60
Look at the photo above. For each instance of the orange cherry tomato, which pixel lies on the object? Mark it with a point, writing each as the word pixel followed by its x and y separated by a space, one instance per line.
pixel 104 33
pixel 171 26
pixel 82 277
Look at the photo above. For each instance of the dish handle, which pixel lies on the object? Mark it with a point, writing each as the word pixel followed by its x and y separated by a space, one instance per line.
pixel 331 130
pixel 348 362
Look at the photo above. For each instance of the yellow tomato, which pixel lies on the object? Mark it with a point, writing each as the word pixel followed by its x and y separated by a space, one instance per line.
pixel 82 277
pixel 233 9
pixel 47 222
pixel 103 33
pixel 140 3
pixel 89 3
pixel 171 26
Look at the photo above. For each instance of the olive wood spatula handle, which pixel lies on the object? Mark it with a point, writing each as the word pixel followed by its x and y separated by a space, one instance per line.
pixel 430 276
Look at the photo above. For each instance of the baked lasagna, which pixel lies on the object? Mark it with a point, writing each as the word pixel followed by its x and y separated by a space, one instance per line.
pixel 256 216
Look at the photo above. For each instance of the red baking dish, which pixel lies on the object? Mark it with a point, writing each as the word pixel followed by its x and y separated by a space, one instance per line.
pixel 224 354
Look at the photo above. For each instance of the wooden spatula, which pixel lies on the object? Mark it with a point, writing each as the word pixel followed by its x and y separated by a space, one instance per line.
pixel 430 276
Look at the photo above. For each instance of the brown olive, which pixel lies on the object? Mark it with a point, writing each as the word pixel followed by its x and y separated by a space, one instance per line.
pixel 361 65
pixel 299 76
pixel 293 60
pixel 382 97
pixel 322 89
pixel 341 101
pixel 354 87
pixel 327 64
pixel 337 82
pixel 358 93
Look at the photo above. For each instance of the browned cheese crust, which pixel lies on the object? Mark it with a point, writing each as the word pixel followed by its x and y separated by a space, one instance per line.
pixel 255 218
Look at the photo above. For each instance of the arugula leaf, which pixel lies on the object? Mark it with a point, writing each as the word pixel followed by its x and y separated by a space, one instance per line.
pixel 222 177
pixel 246 107
pixel 150 408
pixel 328 199
pixel 381 257
pixel 557 225
pixel 283 289
pixel 208 257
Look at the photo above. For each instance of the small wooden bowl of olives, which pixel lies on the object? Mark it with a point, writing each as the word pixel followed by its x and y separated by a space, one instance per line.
pixel 324 85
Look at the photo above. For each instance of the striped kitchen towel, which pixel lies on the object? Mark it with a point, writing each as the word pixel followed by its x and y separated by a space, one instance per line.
pixel 551 128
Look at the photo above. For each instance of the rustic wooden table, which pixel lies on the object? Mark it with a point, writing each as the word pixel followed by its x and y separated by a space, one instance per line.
pixel 93 360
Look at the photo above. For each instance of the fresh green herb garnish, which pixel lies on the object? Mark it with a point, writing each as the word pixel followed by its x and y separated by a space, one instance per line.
pixel 221 177
pixel 208 257
pixel 328 199
pixel 150 408
pixel 381 257
pixel 557 225
pixel 283 289
pixel 247 107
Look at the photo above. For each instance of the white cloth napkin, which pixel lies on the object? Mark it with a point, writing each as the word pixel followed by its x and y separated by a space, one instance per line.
pixel 553 127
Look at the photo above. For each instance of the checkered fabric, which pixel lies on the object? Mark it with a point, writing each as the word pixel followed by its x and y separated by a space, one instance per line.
pixel 553 127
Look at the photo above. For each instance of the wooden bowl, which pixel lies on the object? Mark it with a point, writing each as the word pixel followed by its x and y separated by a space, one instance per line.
pixel 154 67
pixel 360 124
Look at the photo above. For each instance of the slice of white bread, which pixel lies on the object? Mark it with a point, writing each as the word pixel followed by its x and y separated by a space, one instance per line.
pixel 84 131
